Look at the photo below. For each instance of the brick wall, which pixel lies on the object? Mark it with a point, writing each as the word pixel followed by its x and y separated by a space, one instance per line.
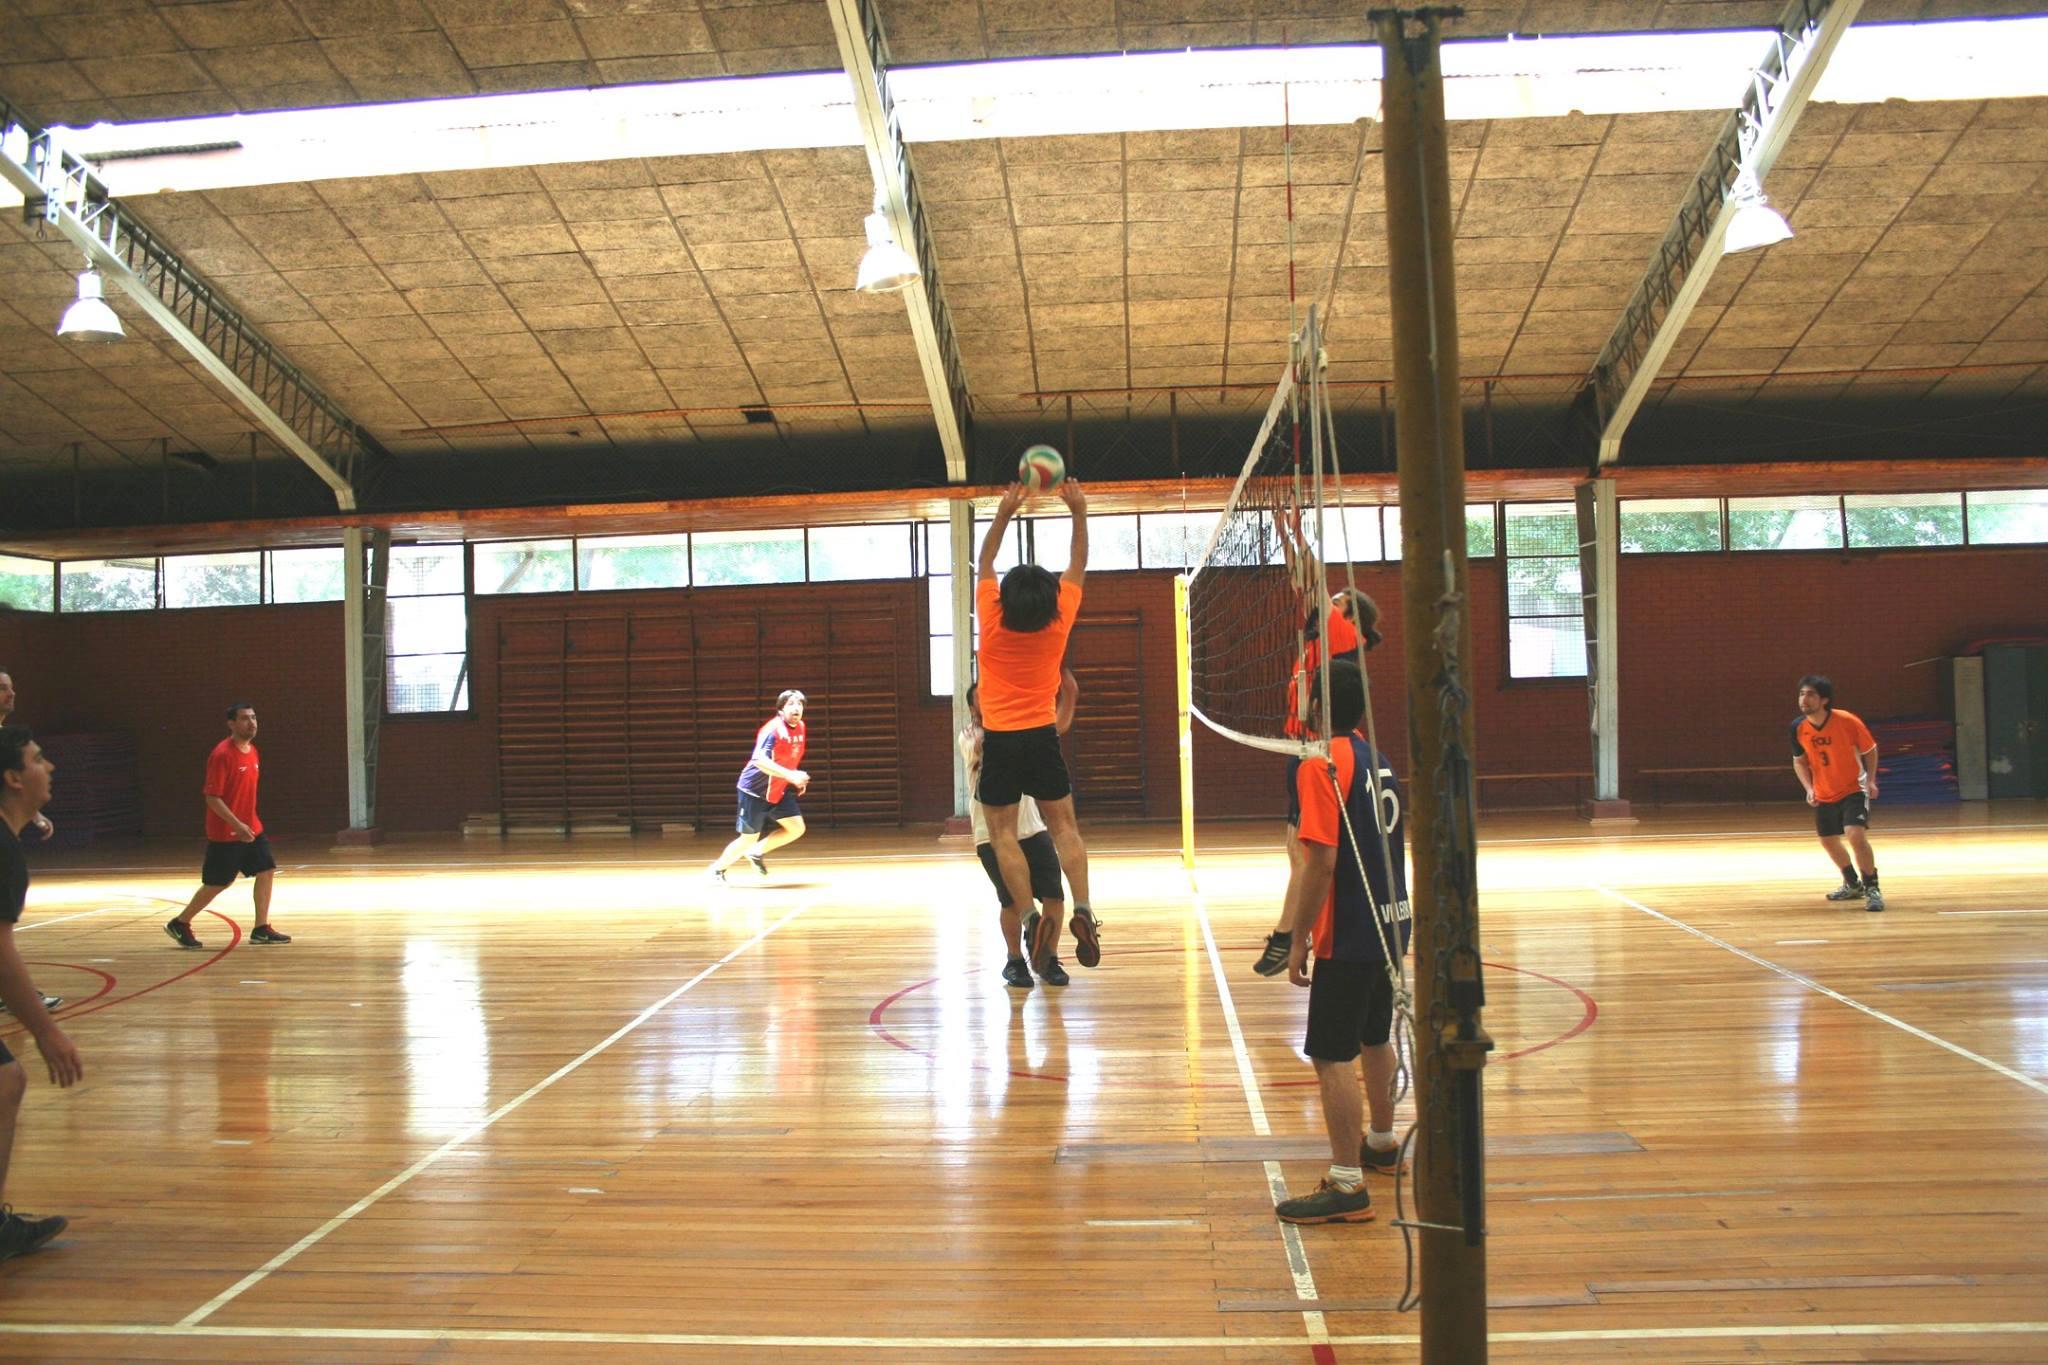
pixel 1713 647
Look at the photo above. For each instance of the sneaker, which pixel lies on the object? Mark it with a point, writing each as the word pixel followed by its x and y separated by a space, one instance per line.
pixel 1328 1205
pixel 718 875
pixel 1388 1162
pixel 1051 973
pixel 263 933
pixel 1847 891
pixel 22 1233
pixel 1873 899
pixel 50 1002
pixel 181 933
pixel 1273 961
pixel 760 863
pixel 1015 973
pixel 1087 937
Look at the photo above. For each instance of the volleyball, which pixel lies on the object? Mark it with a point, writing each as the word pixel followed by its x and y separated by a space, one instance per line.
pixel 1041 469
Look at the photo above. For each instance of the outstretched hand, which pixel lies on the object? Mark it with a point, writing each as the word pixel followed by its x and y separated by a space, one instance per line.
pixel 1013 498
pixel 1073 497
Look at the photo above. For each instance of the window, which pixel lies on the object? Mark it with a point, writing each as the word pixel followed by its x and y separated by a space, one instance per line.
pixel 510 566
pixel 607 562
pixel 306 575
pixel 1112 542
pixel 108 585
pixel 426 613
pixel 1546 620
pixel 938 558
pixel 28 584
pixel 727 558
pixel 1789 523
pixel 2007 516
pixel 1477 531
pixel 847 552
pixel 1172 540
pixel 234 580
pixel 1904 519
pixel 1657 526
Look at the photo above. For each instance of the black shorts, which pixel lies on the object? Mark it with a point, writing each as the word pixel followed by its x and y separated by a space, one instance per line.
pixel 1832 817
pixel 1294 793
pixel 6 1057
pixel 1045 868
pixel 756 814
pixel 1350 1005
pixel 1020 763
pixel 226 861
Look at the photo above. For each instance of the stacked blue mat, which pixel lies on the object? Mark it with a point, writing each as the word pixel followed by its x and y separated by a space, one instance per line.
pixel 1916 760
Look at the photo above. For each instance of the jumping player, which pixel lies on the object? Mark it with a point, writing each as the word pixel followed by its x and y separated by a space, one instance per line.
pixel 1353 620
pixel 769 786
pixel 1345 875
pixel 1019 922
pixel 235 845
pixel 1835 759
pixel 24 788
pixel 1024 627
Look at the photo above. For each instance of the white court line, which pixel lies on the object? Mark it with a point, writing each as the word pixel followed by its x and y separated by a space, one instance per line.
pixel 255 1277
pixel 37 924
pixel 2030 1082
pixel 1276 1182
pixel 734 1341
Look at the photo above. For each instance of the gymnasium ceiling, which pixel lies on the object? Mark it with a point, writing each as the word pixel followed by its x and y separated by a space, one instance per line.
pixel 597 331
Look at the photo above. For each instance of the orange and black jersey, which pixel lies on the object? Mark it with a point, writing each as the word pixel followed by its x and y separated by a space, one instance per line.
pixel 1832 751
pixel 1370 875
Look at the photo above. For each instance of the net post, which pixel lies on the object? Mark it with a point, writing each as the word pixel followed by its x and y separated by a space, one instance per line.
pixel 1429 435
pixel 1184 696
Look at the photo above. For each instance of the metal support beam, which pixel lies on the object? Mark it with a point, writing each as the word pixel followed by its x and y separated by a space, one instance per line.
pixel 865 53
pixel 1755 132
pixel 1599 570
pixel 365 569
pixel 298 415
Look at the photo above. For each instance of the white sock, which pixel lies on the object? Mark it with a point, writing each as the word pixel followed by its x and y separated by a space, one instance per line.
pixel 1347 1177
pixel 1381 1142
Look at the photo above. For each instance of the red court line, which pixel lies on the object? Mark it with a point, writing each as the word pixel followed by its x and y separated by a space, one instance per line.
pixel 106 981
pixel 68 1015
pixel 877 1022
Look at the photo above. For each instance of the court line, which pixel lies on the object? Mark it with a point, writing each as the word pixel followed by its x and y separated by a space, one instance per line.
pixel 738 1341
pixel 258 1275
pixel 1276 1182
pixel 2040 1087
pixel 24 928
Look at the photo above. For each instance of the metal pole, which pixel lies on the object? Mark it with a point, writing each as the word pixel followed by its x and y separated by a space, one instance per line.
pixel 960 533
pixel 1184 700
pixel 1429 437
pixel 355 585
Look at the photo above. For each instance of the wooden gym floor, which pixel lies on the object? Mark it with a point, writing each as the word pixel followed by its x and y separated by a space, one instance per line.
pixel 540 1101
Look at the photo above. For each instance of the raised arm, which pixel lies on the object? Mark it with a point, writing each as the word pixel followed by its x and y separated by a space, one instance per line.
pixel 1013 497
pixel 1077 558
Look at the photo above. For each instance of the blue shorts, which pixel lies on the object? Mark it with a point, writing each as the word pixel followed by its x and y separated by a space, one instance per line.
pixel 756 815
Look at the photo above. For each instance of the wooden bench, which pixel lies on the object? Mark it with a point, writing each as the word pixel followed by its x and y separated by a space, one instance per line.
pixel 1575 778
pixel 1656 776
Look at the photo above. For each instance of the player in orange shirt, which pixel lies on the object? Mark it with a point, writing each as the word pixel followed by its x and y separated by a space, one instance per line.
pixel 1025 622
pixel 1835 759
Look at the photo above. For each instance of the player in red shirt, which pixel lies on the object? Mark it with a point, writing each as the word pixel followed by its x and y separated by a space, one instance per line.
pixel 235 845
pixel 1835 759
pixel 769 787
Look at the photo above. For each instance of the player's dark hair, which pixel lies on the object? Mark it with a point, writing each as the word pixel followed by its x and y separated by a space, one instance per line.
pixel 1031 597
pixel 1822 685
pixel 14 742
pixel 1364 613
pixel 239 707
pixel 783 698
pixel 1347 696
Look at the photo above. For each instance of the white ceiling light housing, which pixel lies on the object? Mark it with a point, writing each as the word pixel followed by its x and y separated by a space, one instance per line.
pixel 90 319
pixel 1754 223
pixel 886 267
